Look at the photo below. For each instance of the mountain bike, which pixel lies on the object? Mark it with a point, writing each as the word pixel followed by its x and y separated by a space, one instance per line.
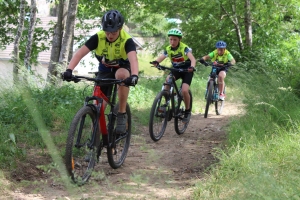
pixel 212 91
pixel 89 133
pixel 168 104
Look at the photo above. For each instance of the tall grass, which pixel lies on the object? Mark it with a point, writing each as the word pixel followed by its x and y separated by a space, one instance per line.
pixel 262 158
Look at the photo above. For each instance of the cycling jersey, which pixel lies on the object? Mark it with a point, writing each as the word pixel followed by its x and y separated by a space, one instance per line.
pixel 178 56
pixel 113 53
pixel 220 59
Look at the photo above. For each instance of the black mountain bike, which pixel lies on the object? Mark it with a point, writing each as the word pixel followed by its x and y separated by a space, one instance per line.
pixel 89 133
pixel 212 92
pixel 168 104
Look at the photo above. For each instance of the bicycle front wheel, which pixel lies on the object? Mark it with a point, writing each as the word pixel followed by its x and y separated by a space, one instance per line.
pixel 209 98
pixel 119 143
pixel 219 105
pixel 159 116
pixel 180 127
pixel 80 155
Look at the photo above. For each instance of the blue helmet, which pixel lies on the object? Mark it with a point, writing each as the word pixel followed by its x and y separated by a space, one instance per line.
pixel 221 44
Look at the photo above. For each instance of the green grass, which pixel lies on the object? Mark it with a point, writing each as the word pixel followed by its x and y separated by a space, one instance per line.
pixel 261 158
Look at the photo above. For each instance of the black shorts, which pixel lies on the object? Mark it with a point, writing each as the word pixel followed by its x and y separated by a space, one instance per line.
pixel 107 89
pixel 219 69
pixel 185 76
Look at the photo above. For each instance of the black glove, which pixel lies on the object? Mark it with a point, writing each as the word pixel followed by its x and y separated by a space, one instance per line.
pixel 228 64
pixel 67 75
pixel 131 81
pixel 154 63
pixel 191 69
pixel 202 61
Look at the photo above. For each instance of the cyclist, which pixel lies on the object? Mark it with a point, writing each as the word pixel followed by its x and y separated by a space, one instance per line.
pixel 116 53
pixel 223 59
pixel 181 57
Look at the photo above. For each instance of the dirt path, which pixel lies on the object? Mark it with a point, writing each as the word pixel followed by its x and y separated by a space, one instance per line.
pixel 166 169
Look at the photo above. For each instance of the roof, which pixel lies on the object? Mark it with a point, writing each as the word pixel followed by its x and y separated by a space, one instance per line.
pixel 44 57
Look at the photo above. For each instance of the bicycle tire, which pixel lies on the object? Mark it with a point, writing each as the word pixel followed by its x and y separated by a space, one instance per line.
pixel 159 116
pixel 80 159
pixel 209 98
pixel 119 143
pixel 219 105
pixel 180 127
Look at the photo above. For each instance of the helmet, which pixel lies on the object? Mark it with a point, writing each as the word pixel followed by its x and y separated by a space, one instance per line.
pixel 112 21
pixel 175 32
pixel 221 44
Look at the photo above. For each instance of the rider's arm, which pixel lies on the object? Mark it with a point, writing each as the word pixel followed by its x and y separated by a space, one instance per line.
pixel 90 45
pixel 192 59
pixel 134 64
pixel 160 58
pixel 231 59
pixel 132 56
pixel 207 57
pixel 78 56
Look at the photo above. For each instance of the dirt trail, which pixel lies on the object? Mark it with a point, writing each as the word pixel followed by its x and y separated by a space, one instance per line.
pixel 152 170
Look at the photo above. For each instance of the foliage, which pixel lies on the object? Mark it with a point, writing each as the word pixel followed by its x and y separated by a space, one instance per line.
pixel 260 158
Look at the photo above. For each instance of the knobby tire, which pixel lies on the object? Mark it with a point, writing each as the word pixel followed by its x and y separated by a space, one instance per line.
pixel 180 127
pixel 80 159
pixel 159 116
pixel 209 98
pixel 119 143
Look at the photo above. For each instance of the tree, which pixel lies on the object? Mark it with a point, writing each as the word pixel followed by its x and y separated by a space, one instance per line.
pixel 30 34
pixel 68 36
pixel 16 63
pixel 56 42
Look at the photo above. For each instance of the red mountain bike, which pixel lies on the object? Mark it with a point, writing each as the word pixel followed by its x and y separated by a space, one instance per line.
pixel 89 133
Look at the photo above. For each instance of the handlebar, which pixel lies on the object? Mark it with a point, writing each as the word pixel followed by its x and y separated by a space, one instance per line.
pixel 161 67
pixel 216 64
pixel 99 81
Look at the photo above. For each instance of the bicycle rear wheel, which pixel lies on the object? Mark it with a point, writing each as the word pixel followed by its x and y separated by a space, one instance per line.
pixel 159 116
pixel 180 127
pixel 80 155
pixel 118 143
pixel 209 98
pixel 219 105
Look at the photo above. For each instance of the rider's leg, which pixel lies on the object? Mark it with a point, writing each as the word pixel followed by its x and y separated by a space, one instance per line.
pixel 186 82
pixel 186 96
pixel 167 87
pixel 123 92
pixel 221 81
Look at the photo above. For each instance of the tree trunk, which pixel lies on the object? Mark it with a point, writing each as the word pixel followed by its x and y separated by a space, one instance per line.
pixel 56 43
pixel 237 27
pixel 248 23
pixel 68 35
pixel 16 63
pixel 30 34
pixel 235 22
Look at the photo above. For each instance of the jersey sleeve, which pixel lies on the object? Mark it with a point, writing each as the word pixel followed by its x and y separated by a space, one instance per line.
pixel 229 57
pixel 187 50
pixel 211 54
pixel 92 42
pixel 130 46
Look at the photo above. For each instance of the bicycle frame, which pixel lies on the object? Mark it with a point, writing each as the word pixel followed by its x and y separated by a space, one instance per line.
pixel 213 77
pixel 173 90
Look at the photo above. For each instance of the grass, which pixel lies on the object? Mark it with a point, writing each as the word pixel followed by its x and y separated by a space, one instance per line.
pixel 261 158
